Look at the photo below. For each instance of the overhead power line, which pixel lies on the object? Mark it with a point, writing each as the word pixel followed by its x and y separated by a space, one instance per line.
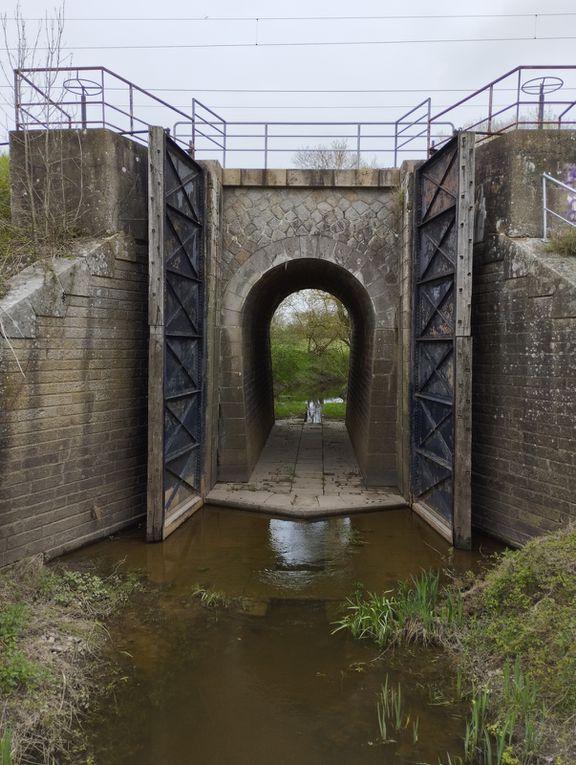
pixel 443 41
pixel 406 17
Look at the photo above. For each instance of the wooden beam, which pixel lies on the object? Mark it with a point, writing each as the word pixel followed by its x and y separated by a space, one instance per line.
pixel 156 216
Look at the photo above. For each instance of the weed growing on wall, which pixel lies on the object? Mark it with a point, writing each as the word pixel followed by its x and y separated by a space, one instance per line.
pixel 563 243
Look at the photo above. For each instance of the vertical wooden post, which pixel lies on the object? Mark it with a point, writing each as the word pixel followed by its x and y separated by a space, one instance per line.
pixel 156 195
pixel 462 531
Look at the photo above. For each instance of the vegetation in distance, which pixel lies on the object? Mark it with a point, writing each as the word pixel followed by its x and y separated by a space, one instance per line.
pixel 310 346
pixel 512 635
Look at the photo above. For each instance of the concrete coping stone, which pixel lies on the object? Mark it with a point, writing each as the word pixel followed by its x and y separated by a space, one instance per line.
pixel 41 288
pixel 362 178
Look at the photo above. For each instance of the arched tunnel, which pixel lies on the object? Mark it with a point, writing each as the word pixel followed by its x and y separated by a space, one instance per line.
pixel 371 405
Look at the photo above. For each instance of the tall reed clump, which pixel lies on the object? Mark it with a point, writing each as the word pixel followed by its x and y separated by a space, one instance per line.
pixel 392 719
pixel 414 611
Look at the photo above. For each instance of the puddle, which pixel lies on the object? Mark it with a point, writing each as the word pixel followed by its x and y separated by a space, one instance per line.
pixel 265 680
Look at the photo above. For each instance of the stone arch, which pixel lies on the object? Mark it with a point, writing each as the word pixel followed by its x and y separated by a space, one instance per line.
pixel 248 304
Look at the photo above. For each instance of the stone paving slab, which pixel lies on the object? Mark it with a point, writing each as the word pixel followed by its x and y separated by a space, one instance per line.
pixel 306 471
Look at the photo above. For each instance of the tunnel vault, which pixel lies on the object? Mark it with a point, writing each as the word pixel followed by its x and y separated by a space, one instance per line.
pixel 249 302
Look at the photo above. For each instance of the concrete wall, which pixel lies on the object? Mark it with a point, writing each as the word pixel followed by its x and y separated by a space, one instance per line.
pixel 290 230
pixel 88 182
pixel 73 359
pixel 73 400
pixel 524 334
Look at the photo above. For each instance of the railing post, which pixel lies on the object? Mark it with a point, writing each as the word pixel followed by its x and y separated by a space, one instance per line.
pixel 518 91
pixel 193 139
pixel 131 101
pixel 224 145
pixel 544 208
pixel 358 139
pixel 490 101
pixel 265 146
pixel 429 123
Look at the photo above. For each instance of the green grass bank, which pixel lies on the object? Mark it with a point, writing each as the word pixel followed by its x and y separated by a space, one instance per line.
pixel 51 635
pixel 512 635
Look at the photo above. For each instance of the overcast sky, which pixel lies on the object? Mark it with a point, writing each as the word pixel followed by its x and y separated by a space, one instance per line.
pixel 401 57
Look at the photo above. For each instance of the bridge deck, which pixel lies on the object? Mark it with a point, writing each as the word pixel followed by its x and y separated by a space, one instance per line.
pixel 306 470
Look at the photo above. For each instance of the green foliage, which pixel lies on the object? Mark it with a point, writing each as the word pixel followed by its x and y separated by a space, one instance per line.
pixel 88 591
pixel 309 337
pixel 210 598
pixel 411 612
pixel 6 749
pixel 528 609
pixel 15 669
pixel 335 410
pixel 12 621
pixel 391 714
pixel 563 243
pixel 513 635
pixel 4 187
pixel 290 407
pixel 50 635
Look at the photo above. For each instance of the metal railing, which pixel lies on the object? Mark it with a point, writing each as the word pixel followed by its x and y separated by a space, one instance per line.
pixel 546 211
pixel 87 97
pixel 357 144
pixel 530 106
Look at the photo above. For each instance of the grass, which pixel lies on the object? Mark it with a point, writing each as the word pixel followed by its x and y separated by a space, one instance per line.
pixel 288 407
pixel 391 715
pixel 51 630
pixel 412 612
pixel 563 243
pixel 210 598
pixel 512 636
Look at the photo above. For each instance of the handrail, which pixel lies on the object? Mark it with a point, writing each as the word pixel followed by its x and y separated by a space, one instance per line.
pixel 202 131
pixel 546 210
pixel 521 88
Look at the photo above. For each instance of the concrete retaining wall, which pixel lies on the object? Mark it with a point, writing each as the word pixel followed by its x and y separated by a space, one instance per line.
pixel 524 334
pixel 73 356
pixel 73 400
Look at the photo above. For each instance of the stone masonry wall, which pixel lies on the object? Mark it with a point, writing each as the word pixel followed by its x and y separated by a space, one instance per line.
pixel 348 218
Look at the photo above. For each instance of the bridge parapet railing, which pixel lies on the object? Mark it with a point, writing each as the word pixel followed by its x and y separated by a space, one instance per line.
pixel 542 97
pixel 322 145
pixel 90 97
pixel 531 96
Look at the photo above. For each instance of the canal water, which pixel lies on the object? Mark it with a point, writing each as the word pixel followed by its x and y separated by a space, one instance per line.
pixel 259 677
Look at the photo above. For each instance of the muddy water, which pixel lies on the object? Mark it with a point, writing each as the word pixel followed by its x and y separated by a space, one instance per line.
pixel 265 680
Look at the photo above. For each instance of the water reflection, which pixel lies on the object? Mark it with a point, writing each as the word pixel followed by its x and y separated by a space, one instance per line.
pixel 265 680
pixel 306 545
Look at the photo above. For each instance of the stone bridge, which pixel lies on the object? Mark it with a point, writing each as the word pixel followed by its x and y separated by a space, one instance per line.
pixel 77 381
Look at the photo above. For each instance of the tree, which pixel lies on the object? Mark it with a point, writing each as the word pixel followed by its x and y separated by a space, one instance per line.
pixel 310 338
pixel 337 156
